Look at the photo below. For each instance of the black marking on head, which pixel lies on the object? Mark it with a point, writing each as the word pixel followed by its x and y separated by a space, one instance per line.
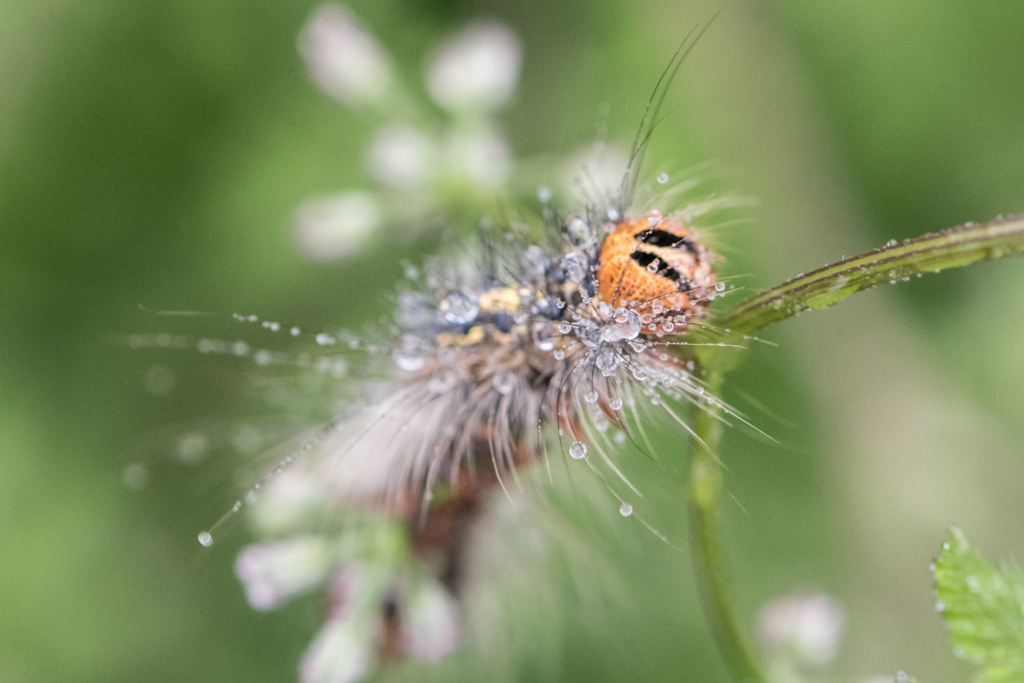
pixel 645 259
pixel 663 238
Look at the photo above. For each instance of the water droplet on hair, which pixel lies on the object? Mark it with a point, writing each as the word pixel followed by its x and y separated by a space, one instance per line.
pixel 590 397
pixel 442 381
pixel 412 353
pixel 205 539
pixel 625 509
pixel 295 331
pixel 625 325
pixel 504 383
pixel 578 450
pixel 662 178
pixel 459 309
pixel 719 286
pixel 573 266
pixel 607 362
pixel 615 403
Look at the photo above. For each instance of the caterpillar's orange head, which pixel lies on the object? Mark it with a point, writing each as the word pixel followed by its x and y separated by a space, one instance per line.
pixel 655 259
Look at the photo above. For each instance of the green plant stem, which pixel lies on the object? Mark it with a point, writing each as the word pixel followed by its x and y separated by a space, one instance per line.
pixel 892 263
pixel 706 541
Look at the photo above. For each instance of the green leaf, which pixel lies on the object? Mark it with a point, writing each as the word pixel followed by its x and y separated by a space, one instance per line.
pixel 984 609
pixel 892 263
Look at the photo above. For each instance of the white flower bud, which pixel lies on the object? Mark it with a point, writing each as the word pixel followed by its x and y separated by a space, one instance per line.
pixel 431 625
pixel 400 156
pixel 477 69
pixel 274 572
pixel 341 653
pixel 345 61
pixel 330 228
pixel 809 624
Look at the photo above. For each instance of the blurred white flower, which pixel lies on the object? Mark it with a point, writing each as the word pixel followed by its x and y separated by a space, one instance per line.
pixel 274 572
pixel 810 624
pixel 343 59
pixel 328 228
pixel 341 653
pixel 400 156
pixel 431 625
pixel 476 69
pixel 482 157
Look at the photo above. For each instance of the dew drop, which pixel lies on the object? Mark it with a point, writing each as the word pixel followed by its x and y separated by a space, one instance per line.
pixel 459 309
pixel 626 510
pixel 607 362
pixel 205 539
pixel 578 450
pixel 940 606
pixel 295 331
pixel 573 267
pixel 719 286
pixel 442 381
pixel 615 403
pixel 543 194
pixel 504 383
pixel 590 397
pixel 662 178
pixel 559 354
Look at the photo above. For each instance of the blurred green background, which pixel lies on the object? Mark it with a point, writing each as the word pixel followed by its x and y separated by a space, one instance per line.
pixel 152 153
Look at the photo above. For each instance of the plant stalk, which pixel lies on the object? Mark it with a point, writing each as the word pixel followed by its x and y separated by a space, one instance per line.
pixel 894 262
pixel 707 546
